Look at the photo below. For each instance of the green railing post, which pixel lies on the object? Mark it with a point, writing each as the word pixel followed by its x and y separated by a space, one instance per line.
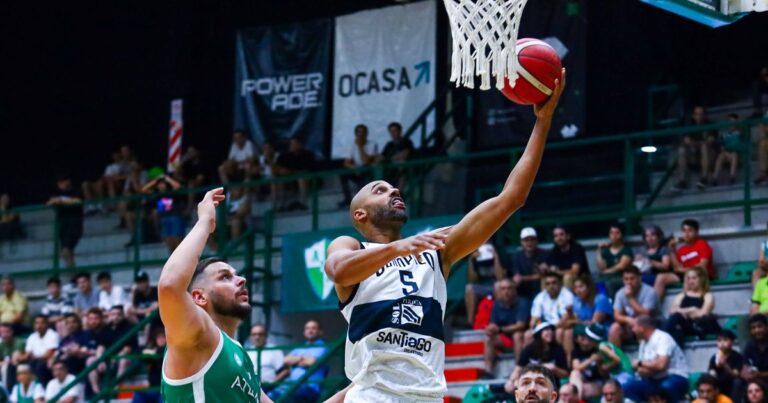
pixel 747 162
pixel 56 241
pixel 629 186
pixel 315 203
pixel 268 275
pixel 138 235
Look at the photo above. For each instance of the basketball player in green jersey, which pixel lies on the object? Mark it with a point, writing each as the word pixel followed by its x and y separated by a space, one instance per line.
pixel 201 304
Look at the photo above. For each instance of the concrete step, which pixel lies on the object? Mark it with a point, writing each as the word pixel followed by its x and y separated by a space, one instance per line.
pixel 27 249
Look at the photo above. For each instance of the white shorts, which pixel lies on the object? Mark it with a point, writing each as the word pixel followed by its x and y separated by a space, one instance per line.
pixel 363 394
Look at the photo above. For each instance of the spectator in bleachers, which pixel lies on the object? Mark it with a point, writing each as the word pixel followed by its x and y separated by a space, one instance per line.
pixel 633 300
pixel 10 223
pixel 169 209
pixel 757 392
pixel 612 393
pixel 696 150
pixel 69 204
pixel 612 258
pixel 143 298
pixel 296 160
pixel 762 263
pixel 709 391
pixel 99 338
pixel 694 252
pixel 553 305
pixel 509 319
pixel 61 378
pixel 363 153
pixel 190 173
pixel 760 292
pixel 397 149
pixel 654 257
pixel 730 141
pixel 27 389
pixel 589 306
pixel 691 310
pixel 527 264
pixel 545 351
pixel 567 256
pixel 56 304
pixel 267 162
pixel 73 345
pixel 569 393
pixel 661 364
pixel 127 210
pixel 762 157
pixel 86 297
pixel 241 160
pixel 109 294
pixel 107 185
pixel 118 326
pixel 40 348
pixel 614 362
pixel 759 91
pixel 13 306
pixel 11 351
pixel 299 360
pixel 155 346
pixel 238 210
pixel 271 360
pixel 483 271
pixel 756 351
pixel 586 373
pixel 726 365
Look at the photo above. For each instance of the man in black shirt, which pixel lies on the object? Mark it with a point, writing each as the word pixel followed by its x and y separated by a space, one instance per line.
pixel 726 365
pixel 567 256
pixel 117 327
pixel 756 350
pixel 527 264
pixel 98 338
pixel 296 161
pixel 69 203
pixel 397 149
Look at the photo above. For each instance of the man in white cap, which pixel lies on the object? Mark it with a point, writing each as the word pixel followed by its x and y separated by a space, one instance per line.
pixel 528 264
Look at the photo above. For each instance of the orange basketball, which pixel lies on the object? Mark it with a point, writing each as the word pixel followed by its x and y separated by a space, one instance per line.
pixel 539 68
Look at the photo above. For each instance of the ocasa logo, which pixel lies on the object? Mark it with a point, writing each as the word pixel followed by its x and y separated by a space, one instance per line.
pixel 385 80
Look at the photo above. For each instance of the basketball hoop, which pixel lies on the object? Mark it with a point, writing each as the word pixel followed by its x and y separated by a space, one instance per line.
pixel 484 34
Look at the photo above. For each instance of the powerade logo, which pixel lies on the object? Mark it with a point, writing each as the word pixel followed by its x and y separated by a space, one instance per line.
pixel 284 93
pixel 405 340
pixel 382 81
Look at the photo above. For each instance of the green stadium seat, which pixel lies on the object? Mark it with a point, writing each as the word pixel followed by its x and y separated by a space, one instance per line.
pixel 477 394
pixel 693 377
pixel 741 272
pixel 733 323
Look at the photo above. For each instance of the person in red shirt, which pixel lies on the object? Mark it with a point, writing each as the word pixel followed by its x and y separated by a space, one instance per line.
pixel 694 252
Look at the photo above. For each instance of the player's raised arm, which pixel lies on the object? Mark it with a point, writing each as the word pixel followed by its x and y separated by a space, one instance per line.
pixel 484 220
pixel 185 322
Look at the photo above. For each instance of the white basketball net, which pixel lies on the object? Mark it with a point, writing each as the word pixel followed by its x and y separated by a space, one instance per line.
pixel 484 36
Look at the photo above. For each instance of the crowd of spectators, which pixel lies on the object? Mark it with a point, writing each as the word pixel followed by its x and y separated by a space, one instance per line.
pixel 71 331
pixel 579 330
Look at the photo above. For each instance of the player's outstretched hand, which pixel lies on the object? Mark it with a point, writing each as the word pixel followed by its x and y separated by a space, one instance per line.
pixel 546 109
pixel 206 209
pixel 414 245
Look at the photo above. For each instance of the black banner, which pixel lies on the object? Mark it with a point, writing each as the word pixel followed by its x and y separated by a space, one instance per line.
pixel 501 123
pixel 281 79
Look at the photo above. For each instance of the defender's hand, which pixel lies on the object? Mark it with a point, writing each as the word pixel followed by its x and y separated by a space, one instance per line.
pixel 206 209
pixel 546 109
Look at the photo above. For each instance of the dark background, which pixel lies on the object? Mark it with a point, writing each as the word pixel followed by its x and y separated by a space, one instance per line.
pixel 78 79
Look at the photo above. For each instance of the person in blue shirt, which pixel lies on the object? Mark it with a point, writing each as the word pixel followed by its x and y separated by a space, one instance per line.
pixel 298 361
pixel 590 306
pixel 509 320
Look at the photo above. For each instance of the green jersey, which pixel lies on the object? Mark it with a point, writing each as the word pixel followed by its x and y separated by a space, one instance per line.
pixel 228 376
pixel 625 362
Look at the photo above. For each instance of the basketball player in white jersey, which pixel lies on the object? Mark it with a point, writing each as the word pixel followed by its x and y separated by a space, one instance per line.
pixel 392 291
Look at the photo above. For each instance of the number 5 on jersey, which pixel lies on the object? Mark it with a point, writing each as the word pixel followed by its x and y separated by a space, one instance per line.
pixel 405 278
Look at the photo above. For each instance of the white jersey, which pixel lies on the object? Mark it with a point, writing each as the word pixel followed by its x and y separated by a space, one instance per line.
pixel 395 346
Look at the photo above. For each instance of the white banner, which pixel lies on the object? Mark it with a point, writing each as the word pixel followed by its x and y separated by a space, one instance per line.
pixel 384 71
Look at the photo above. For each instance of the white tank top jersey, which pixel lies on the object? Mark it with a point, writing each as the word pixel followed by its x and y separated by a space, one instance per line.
pixel 395 344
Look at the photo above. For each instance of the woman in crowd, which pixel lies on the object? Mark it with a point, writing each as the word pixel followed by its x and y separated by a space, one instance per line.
pixel 757 392
pixel 590 307
pixel 691 310
pixel 654 260
pixel 544 350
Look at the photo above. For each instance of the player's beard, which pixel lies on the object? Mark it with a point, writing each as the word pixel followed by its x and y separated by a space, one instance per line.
pixel 540 400
pixel 386 216
pixel 230 308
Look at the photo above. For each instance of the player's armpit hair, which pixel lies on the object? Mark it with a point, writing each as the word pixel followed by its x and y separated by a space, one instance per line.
pixel 200 268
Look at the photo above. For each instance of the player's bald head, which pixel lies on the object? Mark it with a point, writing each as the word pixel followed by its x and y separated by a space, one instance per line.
pixel 373 205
